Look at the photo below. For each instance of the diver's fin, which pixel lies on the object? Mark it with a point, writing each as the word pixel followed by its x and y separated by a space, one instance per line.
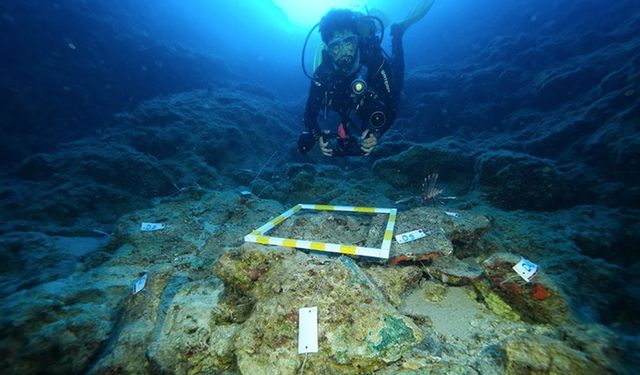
pixel 421 10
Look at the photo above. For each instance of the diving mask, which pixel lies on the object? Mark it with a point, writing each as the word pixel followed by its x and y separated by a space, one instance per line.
pixel 344 45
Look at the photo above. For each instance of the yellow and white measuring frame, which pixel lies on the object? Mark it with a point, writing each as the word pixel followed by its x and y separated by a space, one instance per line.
pixel 259 235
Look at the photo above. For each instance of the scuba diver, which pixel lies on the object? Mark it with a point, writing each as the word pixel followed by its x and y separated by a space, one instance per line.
pixel 356 80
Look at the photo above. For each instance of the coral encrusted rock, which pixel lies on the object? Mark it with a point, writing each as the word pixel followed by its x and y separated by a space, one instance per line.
pixel 358 330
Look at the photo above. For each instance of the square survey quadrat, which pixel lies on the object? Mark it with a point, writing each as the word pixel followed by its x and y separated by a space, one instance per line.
pixel 259 235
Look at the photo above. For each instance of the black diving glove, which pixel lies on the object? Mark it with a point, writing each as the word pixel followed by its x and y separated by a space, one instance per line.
pixel 348 146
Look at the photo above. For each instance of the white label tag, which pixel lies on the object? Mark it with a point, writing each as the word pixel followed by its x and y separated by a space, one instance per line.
pixel 526 269
pixel 150 227
pixel 308 330
pixel 139 284
pixel 410 236
pixel 452 214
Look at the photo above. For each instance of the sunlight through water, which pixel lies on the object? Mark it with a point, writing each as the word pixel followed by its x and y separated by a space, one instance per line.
pixel 308 13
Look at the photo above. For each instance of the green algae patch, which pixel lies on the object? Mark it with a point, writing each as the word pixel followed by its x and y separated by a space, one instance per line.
pixel 393 335
pixel 357 277
pixel 434 292
pixel 495 303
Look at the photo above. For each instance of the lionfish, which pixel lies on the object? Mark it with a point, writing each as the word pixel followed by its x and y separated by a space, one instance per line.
pixel 430 191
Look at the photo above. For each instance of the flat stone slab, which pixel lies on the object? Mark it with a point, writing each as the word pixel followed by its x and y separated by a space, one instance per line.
pixel 539 301
pixel 453 271
pixel 442 227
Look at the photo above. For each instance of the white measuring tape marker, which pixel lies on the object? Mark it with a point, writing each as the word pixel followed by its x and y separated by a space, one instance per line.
pixel 526 269
pixel 308 330
pixel 139 284
pixel 150 227
pixel 410 236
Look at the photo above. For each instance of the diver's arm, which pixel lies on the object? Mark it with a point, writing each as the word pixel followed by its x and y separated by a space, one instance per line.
pixel 312 109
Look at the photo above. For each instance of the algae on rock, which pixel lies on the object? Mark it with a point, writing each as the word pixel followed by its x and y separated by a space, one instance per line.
pixel 359 331
pixel 394 281
pixel 546 355
pixel 495 303
pixel 189 342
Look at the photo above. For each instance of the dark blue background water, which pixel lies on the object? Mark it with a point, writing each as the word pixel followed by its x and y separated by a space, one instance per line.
pixel 130 51
pixel 548 79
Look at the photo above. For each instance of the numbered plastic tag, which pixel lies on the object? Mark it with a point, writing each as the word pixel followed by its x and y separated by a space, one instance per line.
pixel 139 284
pixel 452 214
pixel 308 330
pixel 150 227
pixel 410 236
pixel 526 269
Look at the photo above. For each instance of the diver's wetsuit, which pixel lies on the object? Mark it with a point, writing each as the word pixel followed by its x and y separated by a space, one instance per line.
pixel 332 90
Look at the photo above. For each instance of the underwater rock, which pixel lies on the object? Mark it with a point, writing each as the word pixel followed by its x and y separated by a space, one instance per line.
pixel 65 325
pixel 394 281
pixel 139 319
pixel 539 301
pixel 53 338
pixel 108 163
pixel 335 227
pixel 241 269
pixel 545 355
pixel 494 302
pixel 194 226
pixel 518 181
pixel 410 167
pixel 189 342
pixel 89 314
pixel 28 259
pixel 447 232
pixel 453 271
pixel 603 346
pixel 162 147
pixel 434 292
pixel 93 179
pixel 359 331
pixel 421 366
pixel 464 229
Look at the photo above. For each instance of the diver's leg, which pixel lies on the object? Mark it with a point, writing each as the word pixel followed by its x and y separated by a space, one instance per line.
pixel 397 48
pixel 417 14
pixel 397 59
